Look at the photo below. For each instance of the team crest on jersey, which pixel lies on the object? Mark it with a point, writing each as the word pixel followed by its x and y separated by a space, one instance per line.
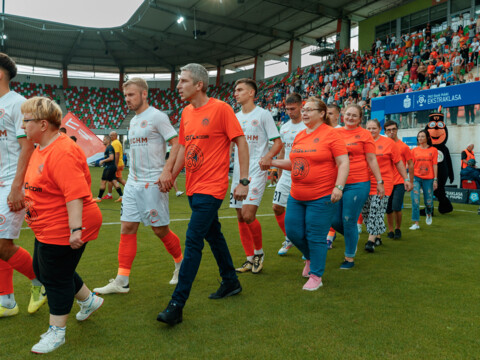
pixel 40 169
pixel 380 147
pixel 357 136
pixel 2 112
pixel 316 140
pixel 153 213
pixel 205 122
pixel 300 168
pixel 194 158
pixel 144 124
pixel 30 213
pixel 2 219
pixel 255 191
pixel 255 122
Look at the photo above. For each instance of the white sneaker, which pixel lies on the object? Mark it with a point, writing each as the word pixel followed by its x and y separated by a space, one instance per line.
pixel 51 340
pixel 112 288
pixel 179 193
pixel 414 227
pixel 89 306
pixel 174 280
pixel 359 228
pixel 286 245
pixel 428 220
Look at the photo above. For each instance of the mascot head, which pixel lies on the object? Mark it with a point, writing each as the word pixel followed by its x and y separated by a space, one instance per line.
pixel 436 128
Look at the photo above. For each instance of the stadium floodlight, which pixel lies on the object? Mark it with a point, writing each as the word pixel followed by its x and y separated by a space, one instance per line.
pixel 181 20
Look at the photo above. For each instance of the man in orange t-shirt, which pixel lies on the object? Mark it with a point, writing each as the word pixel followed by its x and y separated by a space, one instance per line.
pixel 207 128
pixel 395 201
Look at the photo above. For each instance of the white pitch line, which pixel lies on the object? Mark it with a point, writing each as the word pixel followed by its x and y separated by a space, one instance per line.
pixel 234 217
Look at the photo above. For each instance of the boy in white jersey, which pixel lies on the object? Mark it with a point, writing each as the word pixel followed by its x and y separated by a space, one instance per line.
pixel 143 201
pixel 259 128
pixel 15 151
pixel 293 105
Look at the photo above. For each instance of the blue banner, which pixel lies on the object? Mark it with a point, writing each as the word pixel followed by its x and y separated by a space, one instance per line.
pixel 449 96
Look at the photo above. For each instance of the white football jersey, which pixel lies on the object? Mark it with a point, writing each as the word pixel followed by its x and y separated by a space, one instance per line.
pixel 259 128
pixel 287 133
pixel 148 135
pixel 11 120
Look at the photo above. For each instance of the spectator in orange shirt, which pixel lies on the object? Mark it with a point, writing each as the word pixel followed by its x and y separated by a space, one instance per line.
pixel 57 186
pixel 319 165
pixel 425 170
pixel 388 157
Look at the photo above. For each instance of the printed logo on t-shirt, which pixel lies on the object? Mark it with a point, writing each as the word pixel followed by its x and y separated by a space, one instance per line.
pixel 2 112
pixel 357 136
pixel 144 124
pixel 2 219
pixel 300 168
pixel 205 122
pixel 255 122
pixel 380 147
pixel 40 168
pixel 316 140
pixel 30 213
pixel 194 158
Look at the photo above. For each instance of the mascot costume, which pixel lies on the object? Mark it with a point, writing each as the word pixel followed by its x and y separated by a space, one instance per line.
pixel 438 132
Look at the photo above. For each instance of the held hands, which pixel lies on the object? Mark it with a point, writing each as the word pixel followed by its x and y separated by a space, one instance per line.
pixel 16 200
pixel 76 240
pixel 380 190
pixel 408 186
pixel 240 193
pixel 336 195
pixel 265 163
pixel 165 181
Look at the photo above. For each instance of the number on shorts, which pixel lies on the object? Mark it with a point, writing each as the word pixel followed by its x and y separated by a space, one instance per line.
pixel 277 195
pixel 232 200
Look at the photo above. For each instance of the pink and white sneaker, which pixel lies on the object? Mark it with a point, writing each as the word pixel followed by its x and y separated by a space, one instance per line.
pixel 313 283
pixel 306 269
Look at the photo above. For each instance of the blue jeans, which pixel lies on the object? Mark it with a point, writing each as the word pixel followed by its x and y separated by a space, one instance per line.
pixel 347 213
pixel 427 186
pixel 307 224
pixel 203 224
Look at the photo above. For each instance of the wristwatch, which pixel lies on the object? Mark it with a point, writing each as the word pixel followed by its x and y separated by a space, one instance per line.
pixel 244 181
pixel 380 182
pixel 340 187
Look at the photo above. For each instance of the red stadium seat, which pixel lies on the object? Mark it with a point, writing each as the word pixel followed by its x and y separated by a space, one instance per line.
pixel 469 184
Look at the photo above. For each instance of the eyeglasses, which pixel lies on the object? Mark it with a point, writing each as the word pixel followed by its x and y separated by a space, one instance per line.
pixel 390 130
pixel 28 120
pixel 308 110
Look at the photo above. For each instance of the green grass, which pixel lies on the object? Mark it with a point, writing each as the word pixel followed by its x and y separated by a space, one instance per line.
pixel 417 298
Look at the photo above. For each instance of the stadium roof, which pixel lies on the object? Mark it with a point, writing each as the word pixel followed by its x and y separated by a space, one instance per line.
pixel 214 32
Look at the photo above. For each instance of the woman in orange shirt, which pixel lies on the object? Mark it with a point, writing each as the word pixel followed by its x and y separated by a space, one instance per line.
pixel 61 212
pixel 361 153
pixel 319 165
pixel 374 209
pixel 425 169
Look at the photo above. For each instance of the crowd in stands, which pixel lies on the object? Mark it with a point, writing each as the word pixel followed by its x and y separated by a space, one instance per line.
pixel 417 61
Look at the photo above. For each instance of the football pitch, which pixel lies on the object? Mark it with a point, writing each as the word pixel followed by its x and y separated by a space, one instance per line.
pixel 414 298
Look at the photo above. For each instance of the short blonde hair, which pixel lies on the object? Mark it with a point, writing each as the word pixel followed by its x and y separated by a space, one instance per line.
pixel 43 108
pixel 141 83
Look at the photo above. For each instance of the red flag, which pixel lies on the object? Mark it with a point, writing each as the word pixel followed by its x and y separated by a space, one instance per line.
pixel 86 139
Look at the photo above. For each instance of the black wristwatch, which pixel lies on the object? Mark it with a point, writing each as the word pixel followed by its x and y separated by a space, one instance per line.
pixel 244 181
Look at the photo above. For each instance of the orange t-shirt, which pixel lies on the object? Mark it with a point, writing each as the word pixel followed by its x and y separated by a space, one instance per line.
pixel 206 132
pixel 406 155
pixel 56 175
pixel 314 170
pixel 423 161
pixel 430 69
pixel 359 142
pixel 387 156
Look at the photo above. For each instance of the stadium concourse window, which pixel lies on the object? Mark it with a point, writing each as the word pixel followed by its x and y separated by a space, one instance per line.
pixel 459 5
pixel 459 115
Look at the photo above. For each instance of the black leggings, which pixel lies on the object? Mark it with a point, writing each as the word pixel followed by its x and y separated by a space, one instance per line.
pixel 54 266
